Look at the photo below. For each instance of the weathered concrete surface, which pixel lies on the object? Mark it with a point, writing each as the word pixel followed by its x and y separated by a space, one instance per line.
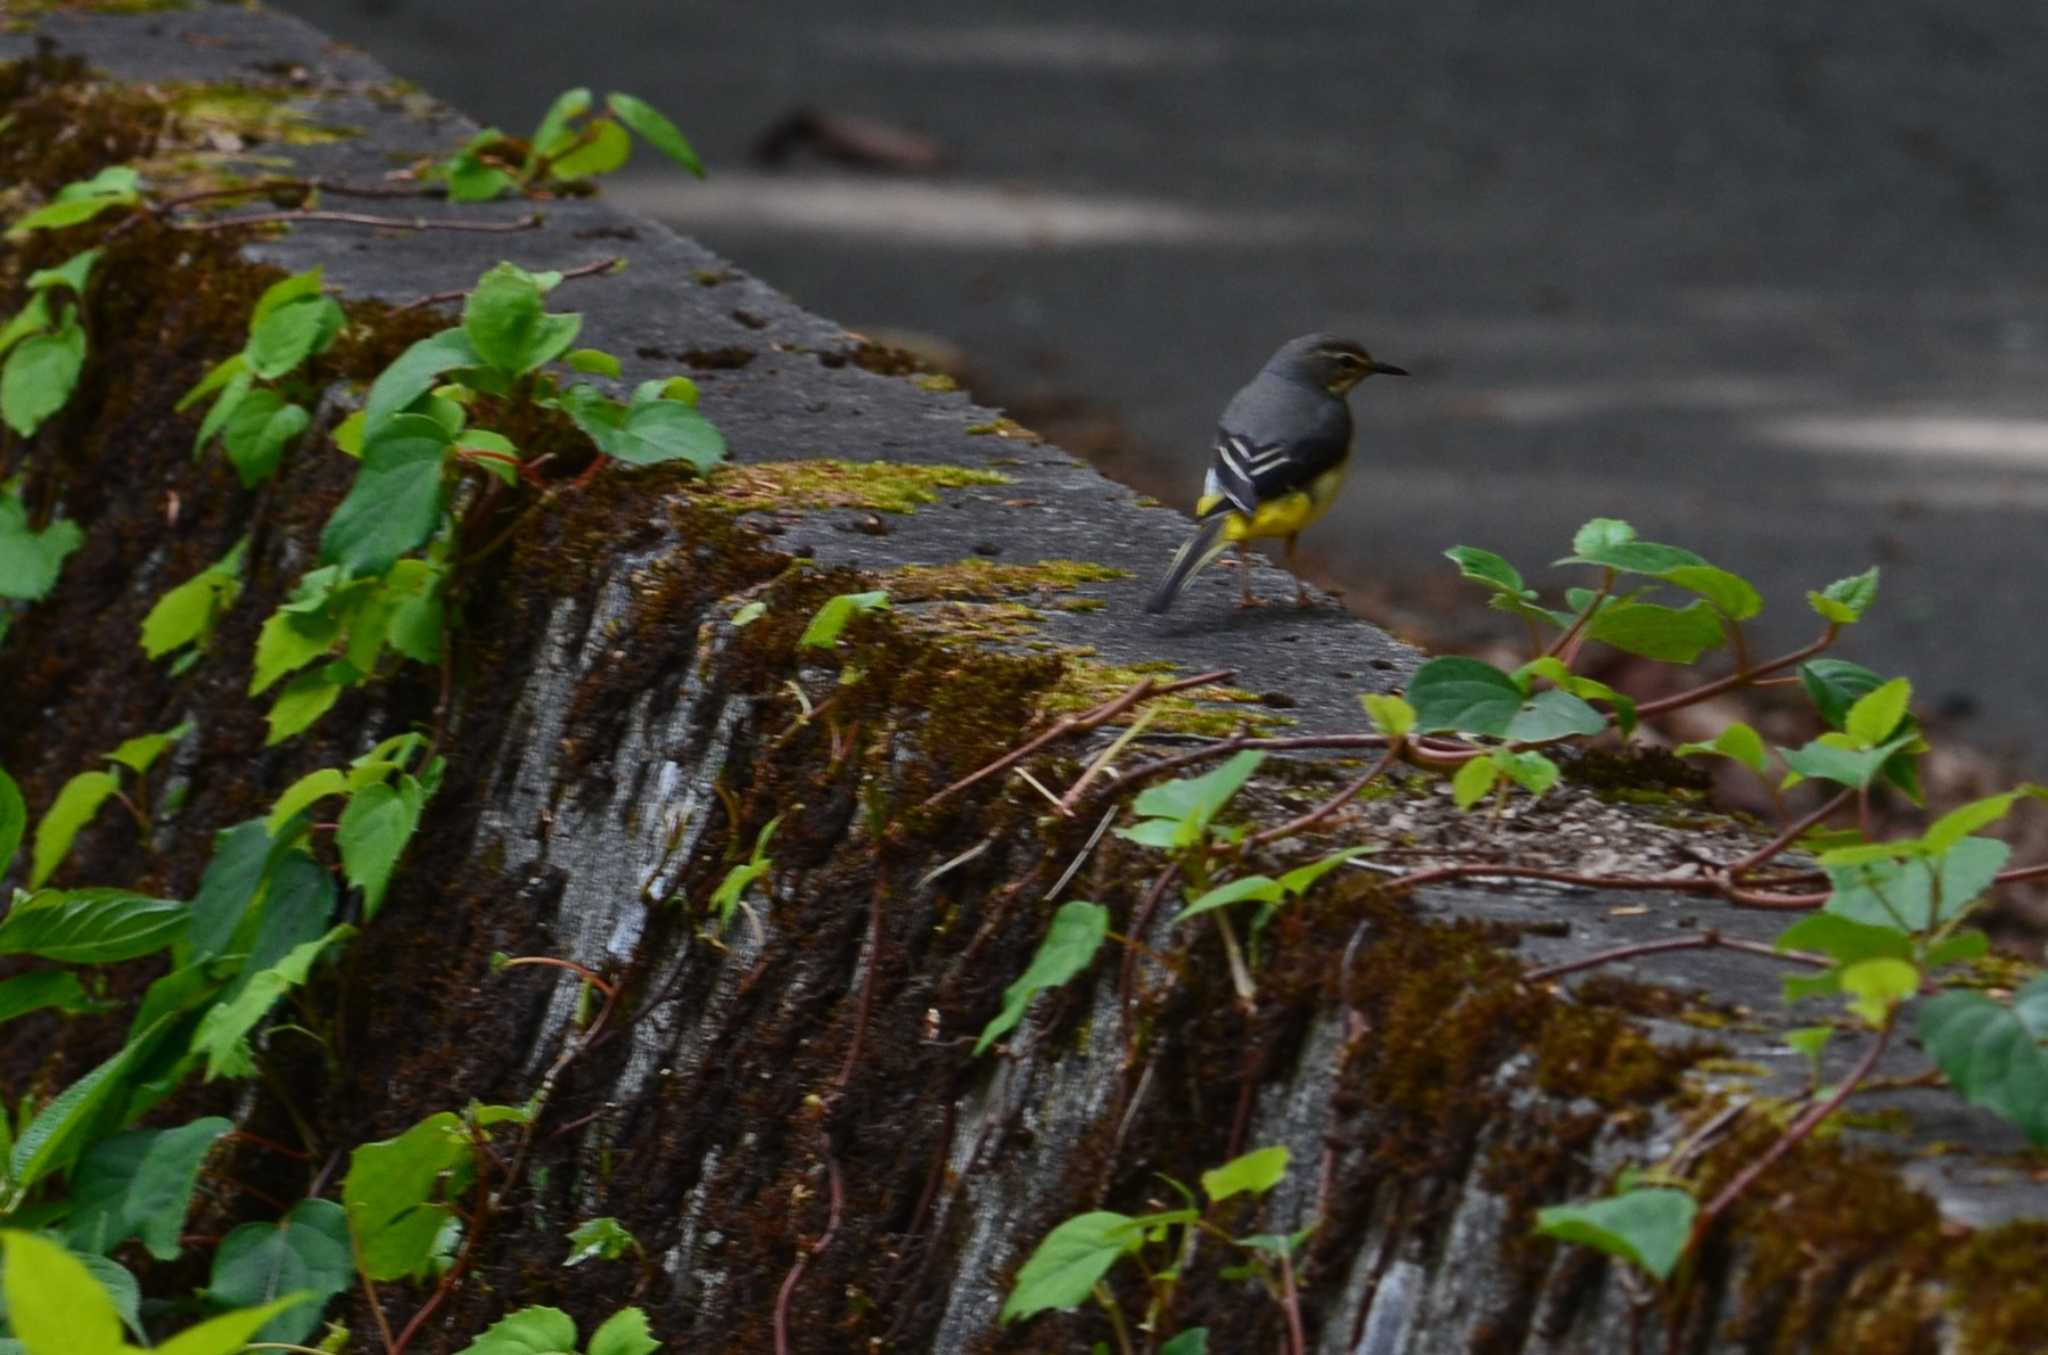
pixel 1430 1098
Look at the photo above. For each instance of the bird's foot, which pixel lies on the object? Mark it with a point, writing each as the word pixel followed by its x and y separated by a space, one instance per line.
pixel 1249 602
pixel 1302 599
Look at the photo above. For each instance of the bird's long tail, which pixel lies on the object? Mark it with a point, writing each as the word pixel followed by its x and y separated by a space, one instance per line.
pixel 1207 542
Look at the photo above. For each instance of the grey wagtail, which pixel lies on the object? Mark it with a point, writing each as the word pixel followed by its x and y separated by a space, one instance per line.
pixel 1281 449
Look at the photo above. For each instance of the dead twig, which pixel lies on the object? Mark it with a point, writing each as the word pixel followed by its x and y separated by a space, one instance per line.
pixel 531 221
pixel 1068 724
pixel 596 268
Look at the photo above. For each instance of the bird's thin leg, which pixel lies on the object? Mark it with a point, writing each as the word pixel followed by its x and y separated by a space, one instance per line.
pixel 1244 576
pixel 1300 585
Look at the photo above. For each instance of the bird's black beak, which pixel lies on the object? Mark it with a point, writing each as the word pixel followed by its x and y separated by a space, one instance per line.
pixel 1387 369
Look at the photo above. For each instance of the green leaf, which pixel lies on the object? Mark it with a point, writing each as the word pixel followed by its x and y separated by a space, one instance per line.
pixel 396 1189
pixel 32 318
pixel 1483 566
pixel 258 431
pixel 297 633
pixel 217 376
pixel 413 592
pixel 1991 1054
pixel 233 877
pixel 13 820
pixel 1812 1041
pixel 77 801
pixel 284 292
pixel 140 753
pixel 569 105
pixel 749 614
pixel 1553 670
pixel 304 700
pixel 1654 631
pixel 1730 593
pixel 1947 830
pixel 1474 782
pixel 1876 986
pixel 831 619
pixel 1189 1341
pixel 1192 802
pixel 602 1238
pixel 1062 1271
pixel 1257 1172
pixel 72 273
pixel 414 373
pixel 40 375
pixel 30 560
pixel 58 1134
pixel 1649 1227
pixel 1826 760
pixel 1463 695
pixel 1070 944
pixel 1921 893
pixel 507 323
pixel 1960 948
pixel 140 1183
pixel 1553 715
pixel 40 990
pixel 663 431
pixel 373 833
pixel 240 386
pixel 1845 940
pixel 1249 887
pixel 1301 879
pixel 187 614
pixel 1877 713
pixel 1391 715
pixel 91 926
pixel 659 132
pixel 1846 600
pixel 594 362
pixel 306 1253
pixel 286 335
pixel 115 186
pixel 54 1304
pixel 228 1333
pixel 308 789
pixel 1533 772
pixel 605 146
pixel 1163 834
pixel 223 1031
pixel 1835 685
pixel 1737 741
pixel 397 500
pixel 623 1333
pixel 534 1330
pixel 1612 543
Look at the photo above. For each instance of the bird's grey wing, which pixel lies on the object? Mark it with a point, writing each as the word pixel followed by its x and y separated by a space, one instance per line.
pixel 1249 471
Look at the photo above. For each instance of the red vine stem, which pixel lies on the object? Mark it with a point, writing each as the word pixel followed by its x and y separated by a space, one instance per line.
pixel 531 221
pixel 1794 1133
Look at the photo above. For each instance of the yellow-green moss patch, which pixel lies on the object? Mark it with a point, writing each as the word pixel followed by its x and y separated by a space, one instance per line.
pixel 886 486
pixel 977 578
pixel 1004 427
pixel 212 113
pixel 1214 710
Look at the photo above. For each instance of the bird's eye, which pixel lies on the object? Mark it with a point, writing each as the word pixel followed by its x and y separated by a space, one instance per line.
pixel 1350 360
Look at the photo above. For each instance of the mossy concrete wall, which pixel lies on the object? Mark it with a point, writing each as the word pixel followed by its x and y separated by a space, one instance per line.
pixel 615 742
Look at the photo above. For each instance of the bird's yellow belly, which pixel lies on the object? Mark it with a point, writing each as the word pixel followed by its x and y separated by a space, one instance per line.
pixel 1284 516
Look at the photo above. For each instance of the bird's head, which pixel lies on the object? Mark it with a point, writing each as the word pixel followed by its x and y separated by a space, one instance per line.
pixel 1334 364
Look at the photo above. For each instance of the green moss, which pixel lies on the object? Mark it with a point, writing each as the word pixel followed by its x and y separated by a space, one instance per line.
pixel 1003 428
pixel 1215 711
pixel 984 621
pixel 977 578
pixel 1730 1068
pixel 252 112
pixel 938 383
pixel 24 9
pixel 886 486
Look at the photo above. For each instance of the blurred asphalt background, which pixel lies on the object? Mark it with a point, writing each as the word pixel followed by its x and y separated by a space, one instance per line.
pixel 1765 277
